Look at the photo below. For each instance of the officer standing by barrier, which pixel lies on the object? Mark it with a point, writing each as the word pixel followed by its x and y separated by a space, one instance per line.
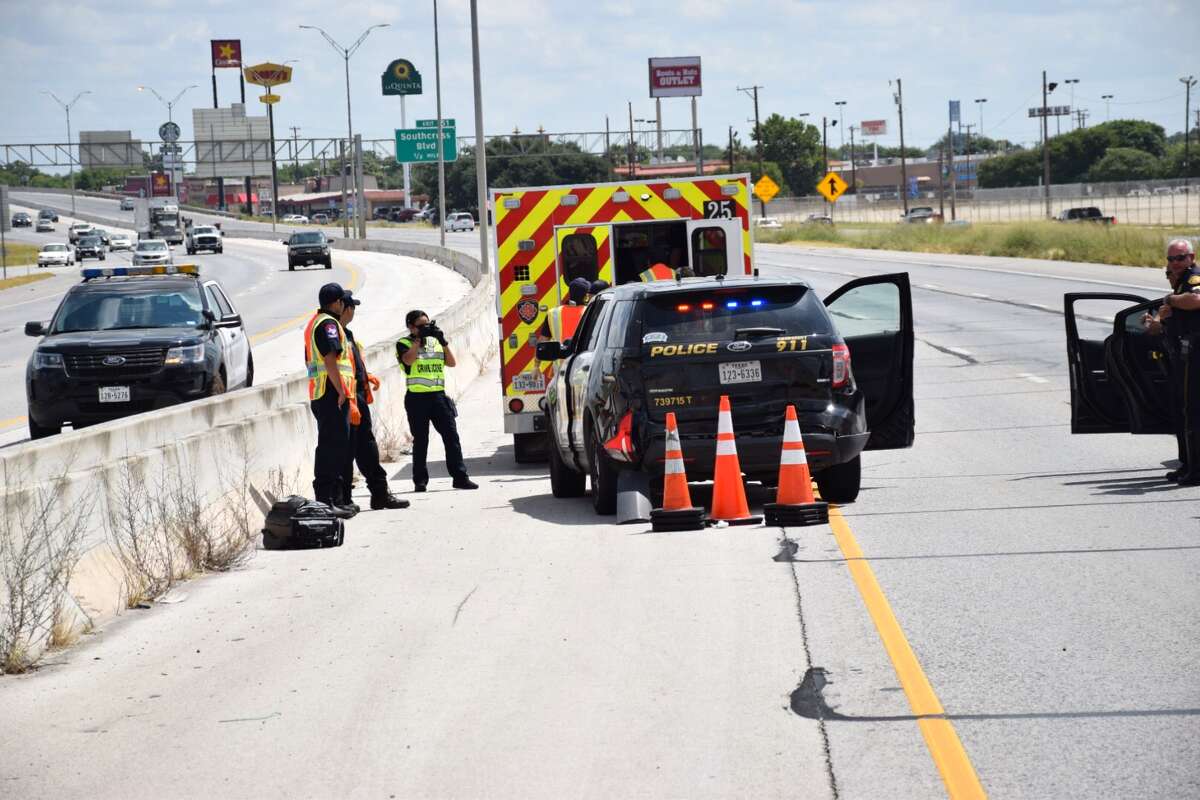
pixel 1180 320
pixel 424 355
pixel 363 447
pixel 330 387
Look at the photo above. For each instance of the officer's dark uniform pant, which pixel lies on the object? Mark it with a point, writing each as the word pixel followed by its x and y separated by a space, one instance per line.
pixel 365 450
pixel 433 407
pixel 333 446
pixel 1185 385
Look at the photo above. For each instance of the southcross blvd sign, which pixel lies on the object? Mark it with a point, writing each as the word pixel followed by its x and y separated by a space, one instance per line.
pixel 419 144
pixel 401 78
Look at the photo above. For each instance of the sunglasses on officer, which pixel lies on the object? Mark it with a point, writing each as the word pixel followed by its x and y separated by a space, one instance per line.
pixel 1183 257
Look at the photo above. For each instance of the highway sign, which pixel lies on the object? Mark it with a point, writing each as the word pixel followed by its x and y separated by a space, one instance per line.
pixel 832 186
pixel 401 77
pixel 419 145
pixel 765 188
pixel 168 132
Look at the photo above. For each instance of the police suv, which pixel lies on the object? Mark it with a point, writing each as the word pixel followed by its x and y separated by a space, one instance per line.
pixel 642 350
pixel 133 339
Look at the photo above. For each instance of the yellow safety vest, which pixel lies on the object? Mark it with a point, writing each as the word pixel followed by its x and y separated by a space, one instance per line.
pixel 428 372
pixel 317 376
pixel 658 272
pixel 563 321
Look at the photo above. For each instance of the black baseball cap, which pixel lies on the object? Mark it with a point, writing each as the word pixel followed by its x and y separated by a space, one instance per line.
pixel 349 299
pixel 331 293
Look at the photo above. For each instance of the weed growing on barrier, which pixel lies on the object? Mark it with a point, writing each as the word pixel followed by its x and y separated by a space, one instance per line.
pixel 392 444
pixel 40 539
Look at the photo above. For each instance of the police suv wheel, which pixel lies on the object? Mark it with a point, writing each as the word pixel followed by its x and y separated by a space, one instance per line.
pixel 564 481
pixel 840 483
pixel 604 477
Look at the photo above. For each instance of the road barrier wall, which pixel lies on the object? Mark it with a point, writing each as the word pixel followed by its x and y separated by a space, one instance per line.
pixel 232 449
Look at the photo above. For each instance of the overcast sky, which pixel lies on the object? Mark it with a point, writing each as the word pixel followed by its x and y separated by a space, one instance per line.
pixel 566 65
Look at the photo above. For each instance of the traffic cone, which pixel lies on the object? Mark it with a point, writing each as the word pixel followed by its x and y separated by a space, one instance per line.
pixel 677 512
pixel 794 503
pixel 729 493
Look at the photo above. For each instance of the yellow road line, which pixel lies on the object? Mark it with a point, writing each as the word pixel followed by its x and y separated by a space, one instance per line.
pixel 940 737
pixel 298 320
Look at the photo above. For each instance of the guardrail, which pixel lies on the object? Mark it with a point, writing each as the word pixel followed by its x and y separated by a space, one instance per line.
pixel 261 433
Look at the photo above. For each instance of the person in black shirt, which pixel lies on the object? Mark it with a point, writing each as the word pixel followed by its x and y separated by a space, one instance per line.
pixel 363 447
pixel 328 382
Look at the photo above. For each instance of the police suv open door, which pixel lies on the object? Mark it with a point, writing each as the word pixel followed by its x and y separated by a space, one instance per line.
pixel 874 316
pixel 1119 383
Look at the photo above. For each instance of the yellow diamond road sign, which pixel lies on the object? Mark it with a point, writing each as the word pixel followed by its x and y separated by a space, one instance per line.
pixel 765 188
pixel 832 186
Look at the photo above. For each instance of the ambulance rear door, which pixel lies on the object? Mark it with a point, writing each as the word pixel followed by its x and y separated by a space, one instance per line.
pixel 715 246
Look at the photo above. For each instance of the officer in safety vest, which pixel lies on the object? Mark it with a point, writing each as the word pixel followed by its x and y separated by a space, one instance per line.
pixel 657 272
pixel 424 355
pixel 562 321
pixel 330 387
pixel 363 447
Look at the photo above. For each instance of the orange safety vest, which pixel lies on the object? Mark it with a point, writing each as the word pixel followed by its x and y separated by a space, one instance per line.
pixel 658 272
pixel 564 321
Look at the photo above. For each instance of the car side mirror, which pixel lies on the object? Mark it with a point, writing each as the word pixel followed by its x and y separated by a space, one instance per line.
pixel 35 329
pixel 231 321
pixel 546 351
pixel 222 232
pixel 330 241
pixel 210 319
pixel 283 241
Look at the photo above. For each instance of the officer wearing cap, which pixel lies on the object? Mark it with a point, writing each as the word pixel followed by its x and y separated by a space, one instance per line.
pixel 561 321
pixel 1179 321
pixel 424 355
pixel 330 385
pixel 363 447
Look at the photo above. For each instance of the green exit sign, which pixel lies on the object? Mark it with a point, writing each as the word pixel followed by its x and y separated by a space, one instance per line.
pixel 419 145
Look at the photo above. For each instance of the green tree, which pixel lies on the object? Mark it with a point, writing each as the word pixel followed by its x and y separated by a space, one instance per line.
pixel 1018 169
pixel 769 167
pixel 1172 162
pixel 1125 164
pixel 796 147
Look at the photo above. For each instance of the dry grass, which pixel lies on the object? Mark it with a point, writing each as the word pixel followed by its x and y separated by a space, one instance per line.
pixel 392 444
pixel 17 254
pixel 21 280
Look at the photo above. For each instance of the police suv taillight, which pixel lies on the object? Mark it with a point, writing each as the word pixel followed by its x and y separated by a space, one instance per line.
pixel 841 365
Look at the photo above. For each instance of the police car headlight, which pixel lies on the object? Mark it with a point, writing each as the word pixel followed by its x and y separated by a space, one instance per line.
pixel 191 354
pixel 44 360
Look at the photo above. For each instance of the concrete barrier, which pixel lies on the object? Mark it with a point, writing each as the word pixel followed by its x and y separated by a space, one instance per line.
pixel 265 435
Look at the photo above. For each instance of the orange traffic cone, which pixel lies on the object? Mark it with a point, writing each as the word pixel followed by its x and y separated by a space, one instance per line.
pixel 794 503
pixel 729 493
pixel 677 513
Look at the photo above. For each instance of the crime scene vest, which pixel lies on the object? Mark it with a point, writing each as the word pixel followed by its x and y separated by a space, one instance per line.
pixel 563 321
pixel 428 372
pixel 317 377
pixel 658 272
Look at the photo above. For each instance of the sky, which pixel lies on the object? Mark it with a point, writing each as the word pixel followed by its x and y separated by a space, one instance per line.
pixel 567 65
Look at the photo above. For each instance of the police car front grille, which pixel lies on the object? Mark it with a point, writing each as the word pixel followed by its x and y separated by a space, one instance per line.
pixel 136 362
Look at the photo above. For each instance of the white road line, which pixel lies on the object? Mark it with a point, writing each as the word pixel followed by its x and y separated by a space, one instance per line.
pixel 981 296
pixel 1029 376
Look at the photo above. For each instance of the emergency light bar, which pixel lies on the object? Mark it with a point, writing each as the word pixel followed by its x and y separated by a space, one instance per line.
pixel 159 269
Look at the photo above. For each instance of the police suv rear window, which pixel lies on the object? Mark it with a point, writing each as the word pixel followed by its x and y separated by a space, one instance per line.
pixel 720 314
pixel 315 237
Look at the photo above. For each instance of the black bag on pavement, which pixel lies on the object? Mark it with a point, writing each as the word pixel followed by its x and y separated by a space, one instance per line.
pixel 296 521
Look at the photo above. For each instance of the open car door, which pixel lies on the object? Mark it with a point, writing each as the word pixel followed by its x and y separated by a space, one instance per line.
pixel 1097 401
pixel 874 316
pixel 1137 362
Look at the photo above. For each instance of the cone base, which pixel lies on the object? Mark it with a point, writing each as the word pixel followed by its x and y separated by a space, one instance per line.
pixel 680 519
pixel 750 520
pixel 794 515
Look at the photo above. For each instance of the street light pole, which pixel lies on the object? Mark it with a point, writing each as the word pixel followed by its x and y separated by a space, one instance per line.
pixel 841 129
pixel 70 157
pixel 979 101
pixel 345 53
pixel 480 148
pixel 1071 82
pixel 753 92
pixel 903 162
pixel 437 80
pixel 1106 98
pixel 1188 83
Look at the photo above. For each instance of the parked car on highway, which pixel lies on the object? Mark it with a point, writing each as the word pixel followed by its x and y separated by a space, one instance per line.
pixel 133 342
pixel 308 247
pixel 21 220
pixel 1084 214
pixel 921 215
pixel 77 230
pixel 48 213
pixel 642 350
pixel 151 251
pixel 127 204
pixel 89 246
pixel 44 225
pixel 120 241
pixel 204 237
pixel 460 221
pixel 767 223
pixel 321 219
pixel 294 219
pixel 56 254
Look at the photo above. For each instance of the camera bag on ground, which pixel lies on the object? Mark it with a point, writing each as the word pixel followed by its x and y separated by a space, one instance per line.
pixel 299 522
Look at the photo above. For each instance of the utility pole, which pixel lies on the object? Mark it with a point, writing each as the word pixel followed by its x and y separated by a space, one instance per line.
pixel 967 149
pixel 841 128
pixel 941 183
pixel 1071 82
pixel 296 151
pixel 730 149
pixel 953 171
pixel 1046 90
pixel 632 146
pixel 824 144
pixel 753 92
pixel 903 160
pixel 1188 83
pixel 1081 118
pixel 853 166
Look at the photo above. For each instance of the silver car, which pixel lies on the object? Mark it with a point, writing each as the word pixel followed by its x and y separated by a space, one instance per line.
pixel 120 241
pixel 151 251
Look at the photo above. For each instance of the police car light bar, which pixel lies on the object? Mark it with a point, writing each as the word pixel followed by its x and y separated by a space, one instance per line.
pixel 160 269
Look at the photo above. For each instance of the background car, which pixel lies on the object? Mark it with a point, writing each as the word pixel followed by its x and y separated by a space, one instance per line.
pixel 77 230
pixel 127 204
pixel 818 219
pixel 921 215
pixel 104 235
pixel 460 221
pixel 21 220
pixel 320 219
pixel 120 241
pixel 294 219
pixel 44 225
pixel 151 251
pixel 89 246
pixel 56 254
pixel 48 213
pixel 308 247
pixel 404 214
pixel 204 237
pixel 767 223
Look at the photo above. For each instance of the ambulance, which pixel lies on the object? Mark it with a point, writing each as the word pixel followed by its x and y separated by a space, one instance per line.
pixel 547 236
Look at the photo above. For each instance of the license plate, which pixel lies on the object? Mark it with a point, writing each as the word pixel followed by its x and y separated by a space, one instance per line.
pixel 114 394
pixel 529 382
pixel 740 371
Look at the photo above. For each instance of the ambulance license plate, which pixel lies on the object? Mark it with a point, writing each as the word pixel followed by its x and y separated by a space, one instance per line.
pixel 529 382
pixel 114 394
pixel 740 371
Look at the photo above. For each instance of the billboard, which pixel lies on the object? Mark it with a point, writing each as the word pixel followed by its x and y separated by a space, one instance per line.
pixel 226 53
pixel 955 111
pixel 675 77
pixel 874 127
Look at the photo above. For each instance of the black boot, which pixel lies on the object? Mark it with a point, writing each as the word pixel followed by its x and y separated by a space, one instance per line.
pixel 1190 471
pixel 386 500
pixel 337 509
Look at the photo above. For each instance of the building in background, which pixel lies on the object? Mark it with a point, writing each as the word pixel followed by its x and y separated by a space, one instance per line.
pixel 230 144
pixel 116 149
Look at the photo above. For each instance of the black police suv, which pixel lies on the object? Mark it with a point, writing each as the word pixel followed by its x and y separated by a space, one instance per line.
pixel 130 343
pixel 89 246
pixel 643 350
pixel 308 247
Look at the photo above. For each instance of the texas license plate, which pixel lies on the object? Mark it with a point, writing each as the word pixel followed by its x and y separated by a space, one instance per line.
pixel 114 394
pixel 740 371
pixel 529 382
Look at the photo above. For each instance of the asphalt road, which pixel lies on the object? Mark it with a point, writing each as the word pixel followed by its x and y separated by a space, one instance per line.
pixel 1004 600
